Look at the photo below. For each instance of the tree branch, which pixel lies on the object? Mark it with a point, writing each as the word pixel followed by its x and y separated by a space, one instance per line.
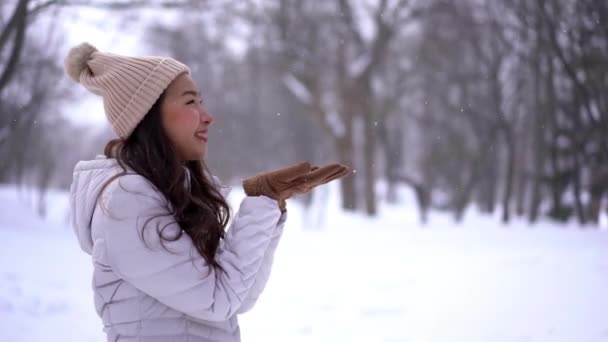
pixel 20 25
pixel 126 5
pixel 349 22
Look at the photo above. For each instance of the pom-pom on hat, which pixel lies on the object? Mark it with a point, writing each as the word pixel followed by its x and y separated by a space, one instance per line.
pixel 129 86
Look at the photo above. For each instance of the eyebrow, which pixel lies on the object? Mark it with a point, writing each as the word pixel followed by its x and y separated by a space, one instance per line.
pixel 190 92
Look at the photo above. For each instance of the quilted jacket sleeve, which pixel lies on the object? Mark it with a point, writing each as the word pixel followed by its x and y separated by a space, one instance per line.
pixel 264 273
pixel 176 275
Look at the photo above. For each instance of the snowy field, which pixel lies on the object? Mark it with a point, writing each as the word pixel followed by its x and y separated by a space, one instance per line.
pixel 344 277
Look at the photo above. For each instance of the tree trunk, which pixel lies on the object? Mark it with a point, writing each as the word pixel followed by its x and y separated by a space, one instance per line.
pixel 510 171
pixel 488 182
pixel 390 143
pixel 369 148
pixel 538 155
pixel 348 184
pixel 597 188
pixel 520 176
pixel 578 204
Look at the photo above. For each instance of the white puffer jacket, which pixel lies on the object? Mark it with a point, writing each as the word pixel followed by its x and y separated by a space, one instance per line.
pixel 146 292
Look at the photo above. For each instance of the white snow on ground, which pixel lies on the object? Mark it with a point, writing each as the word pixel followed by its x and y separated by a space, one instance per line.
pixel 352 279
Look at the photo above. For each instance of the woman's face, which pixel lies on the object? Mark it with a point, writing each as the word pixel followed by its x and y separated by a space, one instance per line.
pixel 185 119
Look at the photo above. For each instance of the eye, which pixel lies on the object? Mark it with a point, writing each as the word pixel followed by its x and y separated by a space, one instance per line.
pixel 192 102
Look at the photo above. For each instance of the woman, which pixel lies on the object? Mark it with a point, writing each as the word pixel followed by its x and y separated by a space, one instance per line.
pixel 154 222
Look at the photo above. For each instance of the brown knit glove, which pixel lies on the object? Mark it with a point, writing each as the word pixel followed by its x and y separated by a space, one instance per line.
pixel 300 178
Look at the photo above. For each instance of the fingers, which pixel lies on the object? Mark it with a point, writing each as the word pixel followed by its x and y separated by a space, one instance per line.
pixel 339 174
pixel 291 172
pixel 320 176
pixel 299 181
pixel 329 173
pixel 322 173
pixel 345 170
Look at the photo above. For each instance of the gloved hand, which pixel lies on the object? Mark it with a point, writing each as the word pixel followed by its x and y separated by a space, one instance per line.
pixel 300 178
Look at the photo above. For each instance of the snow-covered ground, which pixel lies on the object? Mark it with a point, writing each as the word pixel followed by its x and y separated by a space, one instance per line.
pixel 348 279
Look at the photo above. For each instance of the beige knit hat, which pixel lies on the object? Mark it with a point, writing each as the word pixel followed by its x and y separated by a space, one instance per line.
pixel 129 85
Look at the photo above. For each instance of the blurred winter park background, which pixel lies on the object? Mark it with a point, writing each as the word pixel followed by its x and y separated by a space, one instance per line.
pixel 477 131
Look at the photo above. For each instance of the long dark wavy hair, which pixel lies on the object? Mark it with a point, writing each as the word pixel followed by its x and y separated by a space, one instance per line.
pixel 200 209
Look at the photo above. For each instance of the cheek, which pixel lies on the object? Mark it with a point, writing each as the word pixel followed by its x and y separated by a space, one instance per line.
pixel 182 121
pixel 188 119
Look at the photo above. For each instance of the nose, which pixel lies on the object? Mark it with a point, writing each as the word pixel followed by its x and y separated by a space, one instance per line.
pixel 206 117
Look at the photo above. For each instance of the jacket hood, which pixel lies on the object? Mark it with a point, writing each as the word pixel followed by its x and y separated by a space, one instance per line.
pixel 88 180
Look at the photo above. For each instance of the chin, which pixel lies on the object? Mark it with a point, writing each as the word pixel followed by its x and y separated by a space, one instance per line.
pixel 197 155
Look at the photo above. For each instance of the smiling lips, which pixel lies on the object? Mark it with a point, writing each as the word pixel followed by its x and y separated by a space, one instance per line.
pixel 201 135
